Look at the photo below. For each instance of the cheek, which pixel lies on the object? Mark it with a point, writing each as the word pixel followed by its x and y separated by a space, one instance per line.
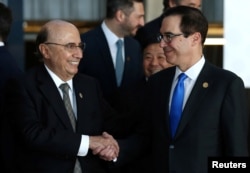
pixel 165 64
pixel 145 64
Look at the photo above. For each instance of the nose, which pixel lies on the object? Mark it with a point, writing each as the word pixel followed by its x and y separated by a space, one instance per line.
pixel 78 53
pixel 141 21
pixel 154 61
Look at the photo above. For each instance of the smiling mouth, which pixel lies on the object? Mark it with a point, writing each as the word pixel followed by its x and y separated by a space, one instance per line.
pixel 74 62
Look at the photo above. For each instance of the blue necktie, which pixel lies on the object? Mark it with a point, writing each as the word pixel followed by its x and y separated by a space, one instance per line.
pixel 119 65
pixel 176 104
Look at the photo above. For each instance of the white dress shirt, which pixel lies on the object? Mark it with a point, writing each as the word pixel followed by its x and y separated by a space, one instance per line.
pixel 112 39
pixel 192 73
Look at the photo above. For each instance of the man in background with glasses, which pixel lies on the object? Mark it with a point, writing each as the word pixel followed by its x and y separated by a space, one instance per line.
pixel 57 113
pixel 195 109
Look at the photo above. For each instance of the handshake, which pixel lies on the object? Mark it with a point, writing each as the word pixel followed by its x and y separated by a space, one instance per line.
pixel 105 146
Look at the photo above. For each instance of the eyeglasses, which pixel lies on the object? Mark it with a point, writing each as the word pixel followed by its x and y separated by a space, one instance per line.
pixel 71 47
pixel 167 37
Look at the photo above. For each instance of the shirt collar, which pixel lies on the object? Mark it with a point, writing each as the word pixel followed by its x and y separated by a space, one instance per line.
pixel 57 80
pixel 110 36
pixel 194 71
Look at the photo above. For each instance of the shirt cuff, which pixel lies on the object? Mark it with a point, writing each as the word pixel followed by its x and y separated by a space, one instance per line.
pixel 84 146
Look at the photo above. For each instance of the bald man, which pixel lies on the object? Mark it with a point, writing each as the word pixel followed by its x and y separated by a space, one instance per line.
pixel 57 130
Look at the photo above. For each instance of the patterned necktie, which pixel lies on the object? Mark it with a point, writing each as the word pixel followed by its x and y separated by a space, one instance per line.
pixel 176 104
pixel 119 65
pixel 65 89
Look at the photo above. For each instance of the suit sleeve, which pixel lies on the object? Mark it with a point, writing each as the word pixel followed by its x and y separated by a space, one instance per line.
pixel 235 119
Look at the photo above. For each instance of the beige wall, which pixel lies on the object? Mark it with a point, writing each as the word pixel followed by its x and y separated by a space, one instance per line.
pixel 153 8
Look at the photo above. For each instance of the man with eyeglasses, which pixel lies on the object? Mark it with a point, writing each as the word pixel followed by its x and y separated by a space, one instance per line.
pixel 152 28
pixel 149 32
pixel 57 113
pixel 195 109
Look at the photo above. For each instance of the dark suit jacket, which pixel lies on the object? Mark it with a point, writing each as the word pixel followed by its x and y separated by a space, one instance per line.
pixel 97 62
pixel 214 121
pixel 45 138
pixel 8 69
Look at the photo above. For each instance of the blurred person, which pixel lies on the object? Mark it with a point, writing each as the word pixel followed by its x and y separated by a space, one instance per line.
pixel 8 65
pixel 8 69
pixel 154 25
pixel 57 113
pixel 209 117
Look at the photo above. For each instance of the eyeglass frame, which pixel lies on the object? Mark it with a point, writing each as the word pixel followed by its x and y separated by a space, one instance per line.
pixel 69 46
pixel 167 37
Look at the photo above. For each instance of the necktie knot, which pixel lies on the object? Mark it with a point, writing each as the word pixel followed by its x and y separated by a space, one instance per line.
pixel 119 43
pixel 182 77
pixel 64 87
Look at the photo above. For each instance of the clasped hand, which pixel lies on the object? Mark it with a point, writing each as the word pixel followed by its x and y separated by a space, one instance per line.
pixel 105 146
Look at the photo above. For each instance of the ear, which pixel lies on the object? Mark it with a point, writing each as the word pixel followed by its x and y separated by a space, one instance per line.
pixel 120 15
pixel 171 3
pixel 44 50
pixel 196 38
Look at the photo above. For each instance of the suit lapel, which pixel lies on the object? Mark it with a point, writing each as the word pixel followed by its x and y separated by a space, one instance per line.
pixel 83 92
pixel 163 88
pixel 50 92
pixel 197 94
pixel 132 60
pixel 105 51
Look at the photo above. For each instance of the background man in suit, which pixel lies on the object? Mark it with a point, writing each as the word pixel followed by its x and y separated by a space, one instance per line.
pixel 48 139
pixel 123 19
pixel 8 69
pixel 214 118
pixel 152 28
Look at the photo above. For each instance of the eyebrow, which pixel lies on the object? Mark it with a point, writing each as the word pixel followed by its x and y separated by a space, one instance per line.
pixel 168 33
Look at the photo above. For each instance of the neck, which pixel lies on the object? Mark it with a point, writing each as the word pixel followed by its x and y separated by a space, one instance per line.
pixel 113 26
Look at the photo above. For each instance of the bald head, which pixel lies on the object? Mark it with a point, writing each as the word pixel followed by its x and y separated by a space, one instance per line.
pixel 59 45
pixel 56 29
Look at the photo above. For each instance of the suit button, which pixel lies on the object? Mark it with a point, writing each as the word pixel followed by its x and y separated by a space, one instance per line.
pixel 171 146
